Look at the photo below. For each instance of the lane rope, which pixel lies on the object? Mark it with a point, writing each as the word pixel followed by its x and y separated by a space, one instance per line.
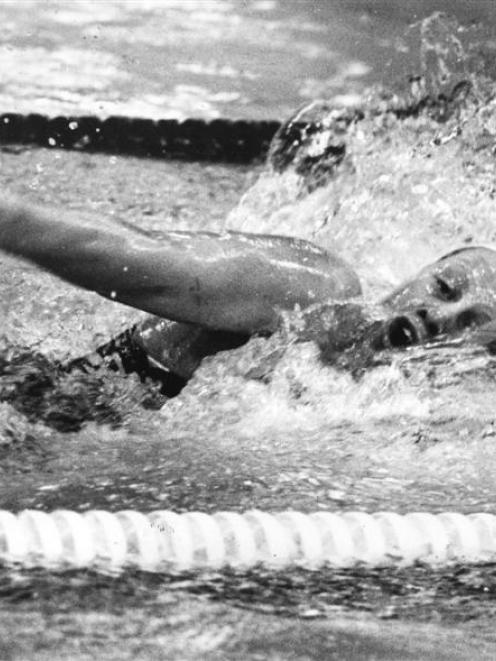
pixel 162 541
pixel 239 141
pixel 221 139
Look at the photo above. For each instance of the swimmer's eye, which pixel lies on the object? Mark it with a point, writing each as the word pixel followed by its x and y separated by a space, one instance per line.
pixel 446 291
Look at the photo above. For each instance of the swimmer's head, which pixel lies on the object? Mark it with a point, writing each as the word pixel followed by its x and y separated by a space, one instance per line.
pixel 456 293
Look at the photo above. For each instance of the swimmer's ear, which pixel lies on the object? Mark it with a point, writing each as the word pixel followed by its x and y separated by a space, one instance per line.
pixel 486 336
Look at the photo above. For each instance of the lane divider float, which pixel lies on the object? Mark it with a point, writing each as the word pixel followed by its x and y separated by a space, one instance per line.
pixel 233 141
pixel 162 541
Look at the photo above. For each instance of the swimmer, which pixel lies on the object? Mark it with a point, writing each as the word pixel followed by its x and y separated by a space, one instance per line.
pixel 210 292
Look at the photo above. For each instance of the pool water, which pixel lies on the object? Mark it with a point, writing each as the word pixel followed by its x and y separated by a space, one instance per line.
pixel 413 432
pixel 249 59
pixel 306 435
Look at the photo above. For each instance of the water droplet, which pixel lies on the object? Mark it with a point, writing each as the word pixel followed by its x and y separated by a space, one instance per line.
pixel 52 142
pixel 113 294
pixel 73 125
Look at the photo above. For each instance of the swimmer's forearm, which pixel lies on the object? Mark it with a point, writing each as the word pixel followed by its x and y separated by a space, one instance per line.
pixel 94 258
pixel 47 241
pixel 76 252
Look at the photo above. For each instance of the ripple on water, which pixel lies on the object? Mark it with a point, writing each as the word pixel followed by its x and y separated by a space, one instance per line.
pixel 407 192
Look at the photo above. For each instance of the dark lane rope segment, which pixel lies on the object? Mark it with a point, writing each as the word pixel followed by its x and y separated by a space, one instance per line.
pixel 239 141
pixel 218 140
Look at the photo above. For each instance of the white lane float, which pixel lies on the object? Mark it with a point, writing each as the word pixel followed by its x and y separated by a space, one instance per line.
pixel 162 541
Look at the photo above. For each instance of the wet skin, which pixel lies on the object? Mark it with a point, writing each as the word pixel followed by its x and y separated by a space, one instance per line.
pixel 455 294
pixel 211 292
pixel 231 282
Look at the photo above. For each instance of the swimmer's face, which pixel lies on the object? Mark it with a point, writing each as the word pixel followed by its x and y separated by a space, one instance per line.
pixel 454 294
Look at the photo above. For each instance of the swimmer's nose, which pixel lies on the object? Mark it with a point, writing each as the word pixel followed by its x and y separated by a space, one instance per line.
pixel 404 331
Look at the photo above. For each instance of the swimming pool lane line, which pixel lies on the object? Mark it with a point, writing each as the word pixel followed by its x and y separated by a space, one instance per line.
pixel 162 541
pixel 217 140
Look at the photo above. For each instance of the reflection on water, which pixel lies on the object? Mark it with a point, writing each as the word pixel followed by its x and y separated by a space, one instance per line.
pixel 254 60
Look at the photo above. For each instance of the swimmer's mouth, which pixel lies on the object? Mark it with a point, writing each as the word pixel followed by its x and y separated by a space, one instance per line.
pixel 404 331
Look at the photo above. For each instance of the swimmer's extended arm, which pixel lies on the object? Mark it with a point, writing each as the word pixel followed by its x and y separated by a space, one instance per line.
pixel 231 281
